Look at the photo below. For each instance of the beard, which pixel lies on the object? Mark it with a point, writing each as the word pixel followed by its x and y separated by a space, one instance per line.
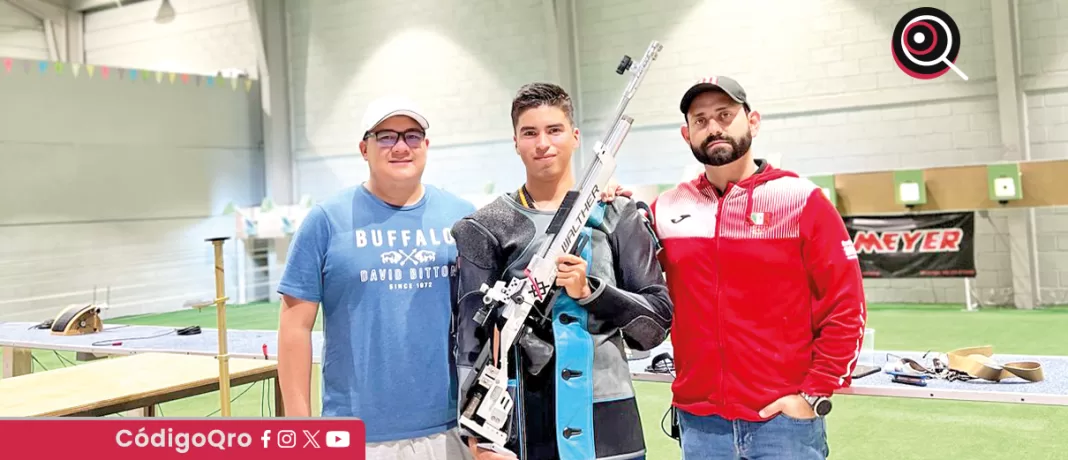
pixel 722 154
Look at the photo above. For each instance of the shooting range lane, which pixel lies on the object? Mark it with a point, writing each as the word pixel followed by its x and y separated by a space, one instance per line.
pixel 1053 390
pixel 122 383
pixel 246 344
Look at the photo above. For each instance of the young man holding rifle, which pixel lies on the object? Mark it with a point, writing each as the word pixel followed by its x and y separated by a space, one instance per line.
pixel 767 289
pixel 569 379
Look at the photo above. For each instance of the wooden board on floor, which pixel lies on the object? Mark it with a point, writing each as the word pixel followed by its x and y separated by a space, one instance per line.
pixel 122 383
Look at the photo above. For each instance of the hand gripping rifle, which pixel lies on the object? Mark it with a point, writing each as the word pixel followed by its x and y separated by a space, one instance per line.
pixel 487 404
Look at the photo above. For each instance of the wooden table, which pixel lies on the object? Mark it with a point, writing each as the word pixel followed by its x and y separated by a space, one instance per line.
pixel 114 385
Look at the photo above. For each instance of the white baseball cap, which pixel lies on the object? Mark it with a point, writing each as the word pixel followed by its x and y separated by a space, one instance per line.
pixel 388 106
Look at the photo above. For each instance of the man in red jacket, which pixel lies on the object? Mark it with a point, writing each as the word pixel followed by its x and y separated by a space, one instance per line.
pixel 768 293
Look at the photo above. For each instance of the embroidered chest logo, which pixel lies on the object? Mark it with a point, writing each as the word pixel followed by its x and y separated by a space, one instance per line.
pixel 758 222
pixel 757 218
pixel 679 219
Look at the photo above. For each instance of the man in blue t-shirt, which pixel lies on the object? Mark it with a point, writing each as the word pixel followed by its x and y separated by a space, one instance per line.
pixel 380 259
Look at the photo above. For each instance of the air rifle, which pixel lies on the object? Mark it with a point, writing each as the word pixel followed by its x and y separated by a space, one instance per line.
pixel 486 403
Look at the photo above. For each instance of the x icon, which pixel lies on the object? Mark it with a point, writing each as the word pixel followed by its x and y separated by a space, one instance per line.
pixel 311 439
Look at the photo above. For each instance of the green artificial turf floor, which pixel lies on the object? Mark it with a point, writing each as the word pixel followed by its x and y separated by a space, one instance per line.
pixel 860 428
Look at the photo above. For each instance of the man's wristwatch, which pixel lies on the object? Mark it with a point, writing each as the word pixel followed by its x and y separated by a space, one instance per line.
pixel 820 404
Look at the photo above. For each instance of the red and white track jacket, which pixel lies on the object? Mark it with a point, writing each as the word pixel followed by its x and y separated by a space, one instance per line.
pixel 768 292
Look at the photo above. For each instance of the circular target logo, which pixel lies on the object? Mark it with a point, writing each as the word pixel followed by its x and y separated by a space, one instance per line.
pixel 925 44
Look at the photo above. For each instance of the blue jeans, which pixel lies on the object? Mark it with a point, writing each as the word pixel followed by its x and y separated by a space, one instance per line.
pixel 780 438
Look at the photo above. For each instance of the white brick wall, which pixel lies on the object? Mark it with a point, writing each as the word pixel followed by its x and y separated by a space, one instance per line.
pixel 1052 245
pixel 118 187
pixel 1044 56
pixel 21 35
pixel 464 73
pixel 1048 129
pixel 912 136
pixel 919 135
pixel 819 54
pixel 205 37
pixel 1048 123
pixel 150 266
pixel 1043 36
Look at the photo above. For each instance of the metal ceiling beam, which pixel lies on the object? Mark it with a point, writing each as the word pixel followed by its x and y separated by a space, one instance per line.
pixel 42 10
pixel 88 6
pixel 269 39
pixel 75 43
pixel 57 22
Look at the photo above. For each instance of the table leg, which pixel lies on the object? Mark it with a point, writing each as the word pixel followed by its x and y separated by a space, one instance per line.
pixel 86 357
pixel 17 361
pixel 147 411
pixel 279 411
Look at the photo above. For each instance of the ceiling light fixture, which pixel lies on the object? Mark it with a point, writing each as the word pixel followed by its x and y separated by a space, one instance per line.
pixel 165 14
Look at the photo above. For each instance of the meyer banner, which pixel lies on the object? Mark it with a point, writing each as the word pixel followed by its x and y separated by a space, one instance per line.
pixel 129 438
pixel 936 245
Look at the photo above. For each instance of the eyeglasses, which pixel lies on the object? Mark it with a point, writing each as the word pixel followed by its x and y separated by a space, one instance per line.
pixel 387 138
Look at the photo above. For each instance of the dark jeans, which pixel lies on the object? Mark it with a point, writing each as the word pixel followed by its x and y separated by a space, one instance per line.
pixel 780 438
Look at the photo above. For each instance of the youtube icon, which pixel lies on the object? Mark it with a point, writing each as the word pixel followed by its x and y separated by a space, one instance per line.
pixel 337 439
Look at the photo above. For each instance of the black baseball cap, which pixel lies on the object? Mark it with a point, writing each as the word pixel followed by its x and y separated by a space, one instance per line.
pixel 715 83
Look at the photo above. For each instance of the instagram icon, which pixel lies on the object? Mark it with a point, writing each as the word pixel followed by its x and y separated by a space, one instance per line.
pixel 287 439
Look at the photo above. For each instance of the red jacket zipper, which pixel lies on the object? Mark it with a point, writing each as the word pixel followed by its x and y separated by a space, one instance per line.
pixel 719 308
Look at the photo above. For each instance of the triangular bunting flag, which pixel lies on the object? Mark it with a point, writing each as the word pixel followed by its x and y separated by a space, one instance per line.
pixel 173 76
pixel 230 208
pixel 42 66
pixel 122 73
pixel 7 65
pixel 59 67
pixel 248 85
pixel 76 68
pixel 89 68
pixel 233 83
pixel 185 78
pixel 104 71
pixel 159 77
pixel 26 66
pixel 198 80
pixel 267 205
pixel 133 74
pixel 211 81
pixel 146 75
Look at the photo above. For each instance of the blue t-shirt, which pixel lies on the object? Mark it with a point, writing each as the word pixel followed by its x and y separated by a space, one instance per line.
pixel 383 275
